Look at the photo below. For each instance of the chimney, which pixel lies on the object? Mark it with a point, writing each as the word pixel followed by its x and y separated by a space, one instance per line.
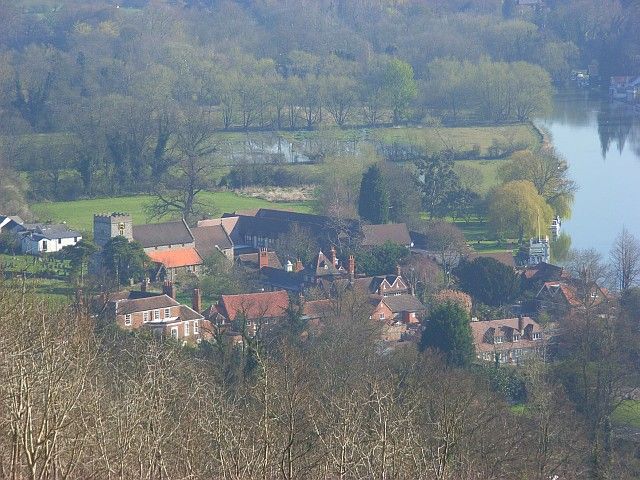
pixel 521 324
pixel 169 289
pixel 298 266
pixel 289 266
pixel 144 285
pixel 398 270
pixel 334 258
pixel 352 266
pixel 263 258
pixel 196 302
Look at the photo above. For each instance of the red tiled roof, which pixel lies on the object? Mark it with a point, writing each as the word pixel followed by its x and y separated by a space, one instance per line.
pixel 177 257
pixel 255 305
pixel 503 328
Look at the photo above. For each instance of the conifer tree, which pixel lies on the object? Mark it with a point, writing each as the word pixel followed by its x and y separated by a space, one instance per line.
pixel 373 203
pixel 448 330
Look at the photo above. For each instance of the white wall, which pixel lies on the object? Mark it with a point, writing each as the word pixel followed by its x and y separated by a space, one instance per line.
pixel 32 247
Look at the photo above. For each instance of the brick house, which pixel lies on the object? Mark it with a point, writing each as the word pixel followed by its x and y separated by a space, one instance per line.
pixel 558 298
pixel 509 340
pixel 253 311
pixel 160 313
pixel 171 262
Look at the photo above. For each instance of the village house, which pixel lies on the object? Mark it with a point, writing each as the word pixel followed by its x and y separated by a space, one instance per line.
pixel 38 239
pixel 212 239
pixel 250 312
pixel 509 340
pixel 560 297
pixel 160 313
pixel 11 224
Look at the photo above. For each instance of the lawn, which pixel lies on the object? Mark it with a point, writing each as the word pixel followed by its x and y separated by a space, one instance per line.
pixel 627 413
pixel 79 214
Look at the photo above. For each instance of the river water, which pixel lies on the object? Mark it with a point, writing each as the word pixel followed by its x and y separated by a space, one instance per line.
pixel 601 143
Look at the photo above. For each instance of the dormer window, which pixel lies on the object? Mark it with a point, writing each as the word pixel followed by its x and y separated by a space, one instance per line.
pixel 498 339
pixel 516 337
pixel 536 336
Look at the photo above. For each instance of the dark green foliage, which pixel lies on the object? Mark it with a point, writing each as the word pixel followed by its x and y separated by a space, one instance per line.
pixel 448 330
pixel 505 380
pixel 488 281
pixel 79 255
pixel 125 260
pixel 373 203
pixel 379 260
pixel 440 183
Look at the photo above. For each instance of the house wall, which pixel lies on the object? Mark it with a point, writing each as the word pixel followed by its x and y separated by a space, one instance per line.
pixel 137 318
pixel 31 247
pixel 382 309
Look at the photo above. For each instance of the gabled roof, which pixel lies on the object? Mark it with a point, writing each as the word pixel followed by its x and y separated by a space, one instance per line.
pixel 372 284
pixel 211 239
pixel 176 257
pixel 397 233
pixel 162 234
pixel 51 232
pixel 279 278
pixel 403 303
pixel 313 309
pixel 252 260
pixel 255 305
pixel 543 272
pixel 503 327
pixel 322 266
pixel 154 302
pixel 566 291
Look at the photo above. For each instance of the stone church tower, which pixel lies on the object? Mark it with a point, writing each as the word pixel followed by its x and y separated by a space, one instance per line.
pixel 107 226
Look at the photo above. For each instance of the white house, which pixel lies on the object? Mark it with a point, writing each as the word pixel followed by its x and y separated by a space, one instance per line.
pixel 39 239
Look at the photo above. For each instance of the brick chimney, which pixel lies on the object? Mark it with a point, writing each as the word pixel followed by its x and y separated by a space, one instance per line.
pixel 263 258
pixel 196 302
pixel 169 289
pixel 144 286
pixel 521 324
pixel 352 266
pixel 298 266
pixel 334 258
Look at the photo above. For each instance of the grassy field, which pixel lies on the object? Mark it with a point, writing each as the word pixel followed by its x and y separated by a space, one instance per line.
pixel 628 413
pixel 79 214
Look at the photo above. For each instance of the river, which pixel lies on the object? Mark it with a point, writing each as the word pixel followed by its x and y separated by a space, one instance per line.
pixel 601 143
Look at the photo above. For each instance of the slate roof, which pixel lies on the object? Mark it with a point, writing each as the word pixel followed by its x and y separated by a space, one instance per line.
pixel 154 302
pixel 162 234
pixel 481 331
pixel 51 232
pixel 255 305
pixel 209 239
pixel 375 235
pixel 176 257
pixel 371 284
pixel 322 266
pixel 251 260
pixel 279 278
pixel 403 303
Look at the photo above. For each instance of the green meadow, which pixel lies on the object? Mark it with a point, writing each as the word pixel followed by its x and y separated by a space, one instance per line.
pixel 79 214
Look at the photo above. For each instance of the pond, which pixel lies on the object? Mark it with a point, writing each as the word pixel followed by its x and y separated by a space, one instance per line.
pixel 601 142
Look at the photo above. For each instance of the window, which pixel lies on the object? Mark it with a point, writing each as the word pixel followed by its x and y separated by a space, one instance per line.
pixel 156 314
pixel 498 339
pixel 127 319
pixel 59 241
pixel 516 337
pixel 167 312
pixel 196 328
pixel 75 239
pixel 145 317
pixel 121 229
pixel 186 329
pixel 537 336
pixel 44 245
pixel 174 332
pixel 382 316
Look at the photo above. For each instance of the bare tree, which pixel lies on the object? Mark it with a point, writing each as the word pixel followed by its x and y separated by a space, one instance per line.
pixel 177 194
pixel 625 260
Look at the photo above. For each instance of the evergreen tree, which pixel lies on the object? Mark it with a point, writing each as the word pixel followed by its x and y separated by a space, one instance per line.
pixel 448 330
pixel 373 203
pixel 488 281
pixel 124 259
